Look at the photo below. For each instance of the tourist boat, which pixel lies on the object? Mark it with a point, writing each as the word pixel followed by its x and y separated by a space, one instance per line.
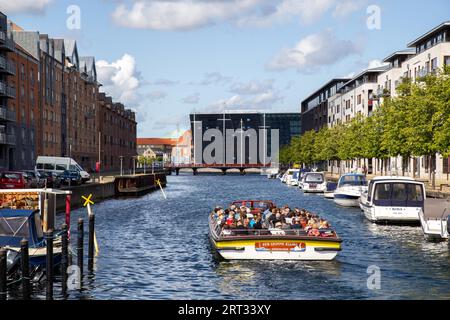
pixel 393 200
pixel 349 189
pixel 22 216
pixel 271 244
pixel 435 219
pixel 314 182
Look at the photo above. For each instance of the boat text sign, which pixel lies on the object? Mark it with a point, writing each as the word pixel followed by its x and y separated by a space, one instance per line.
pixel 280 246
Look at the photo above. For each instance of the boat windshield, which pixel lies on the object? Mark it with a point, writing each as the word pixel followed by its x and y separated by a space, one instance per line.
pixel 14 227
pixel 398 194
pixel 314 178
pixel 352 181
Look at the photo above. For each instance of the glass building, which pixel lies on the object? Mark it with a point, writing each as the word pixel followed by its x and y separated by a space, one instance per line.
pixel 288 125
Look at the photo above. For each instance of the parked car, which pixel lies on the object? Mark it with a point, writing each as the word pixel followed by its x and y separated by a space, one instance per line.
pixel 72 177
pixel 12 180
pixel 59 165
pixel 42 180
pixel 31 179
pixel 52 179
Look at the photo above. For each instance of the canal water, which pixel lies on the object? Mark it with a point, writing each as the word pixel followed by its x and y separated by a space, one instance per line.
pixel 151 248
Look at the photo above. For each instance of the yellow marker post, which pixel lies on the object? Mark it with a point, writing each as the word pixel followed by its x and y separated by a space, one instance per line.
pixel 162 190
pixel 87 204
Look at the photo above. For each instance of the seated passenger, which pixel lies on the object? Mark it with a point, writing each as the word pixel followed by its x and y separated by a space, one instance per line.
pixel 314 231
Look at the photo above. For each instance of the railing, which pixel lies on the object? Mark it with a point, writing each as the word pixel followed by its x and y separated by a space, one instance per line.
pixel 219 165
pixel 6 42
pixel 6 90
pixel 7 139
pixel 7 114
pixel 7 66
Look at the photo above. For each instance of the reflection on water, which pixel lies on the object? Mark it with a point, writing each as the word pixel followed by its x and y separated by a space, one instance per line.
pixel 151 248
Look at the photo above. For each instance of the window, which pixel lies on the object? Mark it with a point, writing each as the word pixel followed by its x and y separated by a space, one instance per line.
pixel 359 99
pixel 447 60
pixel 383 191
pixel 434 64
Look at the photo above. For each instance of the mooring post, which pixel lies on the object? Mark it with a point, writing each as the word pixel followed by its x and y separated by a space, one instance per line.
pixel 80 245
pixel 64 258
pixel 3 275
pixel 49 265
pixel 25 265
pixel 91 241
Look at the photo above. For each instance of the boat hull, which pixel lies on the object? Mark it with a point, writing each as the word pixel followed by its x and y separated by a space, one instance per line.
pixel 346 200
pixel 277 249
pixel 391 215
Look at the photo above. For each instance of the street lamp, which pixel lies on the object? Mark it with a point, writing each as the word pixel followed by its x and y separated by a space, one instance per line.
pixel 121 165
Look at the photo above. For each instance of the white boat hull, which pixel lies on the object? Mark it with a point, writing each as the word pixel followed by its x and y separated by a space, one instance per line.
pixel 391 214
pixel 329 195
pixel 317 252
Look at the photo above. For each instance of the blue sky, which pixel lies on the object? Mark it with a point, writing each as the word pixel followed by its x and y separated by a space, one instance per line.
pixel 167 58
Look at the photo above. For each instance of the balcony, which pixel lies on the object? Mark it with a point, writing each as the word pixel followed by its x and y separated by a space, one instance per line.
pixel 6 43
pixel 7 91
pixel 7 66
pixel 8 139
pixel 6 114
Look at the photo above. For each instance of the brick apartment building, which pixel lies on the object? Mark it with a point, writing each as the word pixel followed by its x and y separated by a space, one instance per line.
pixel 118 133
pixel 7 93
pixel 50 105
pixel 26 105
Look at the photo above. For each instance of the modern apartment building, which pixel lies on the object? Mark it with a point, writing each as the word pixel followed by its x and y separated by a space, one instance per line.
pixel 367 91
pixel 314 109
pixel 355 96
pixel 7 93
pixel 117 131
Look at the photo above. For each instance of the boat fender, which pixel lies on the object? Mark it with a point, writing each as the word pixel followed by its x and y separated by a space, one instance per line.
pixel 13 259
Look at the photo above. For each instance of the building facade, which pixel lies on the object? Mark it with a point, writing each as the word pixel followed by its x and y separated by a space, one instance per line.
pixel 367 91
pixel 117 132
pixel 26 106
pixel 354 97
pixel 63 108
pixel 182 152
pixel 287 124
pixel 160 147
pixel 314 109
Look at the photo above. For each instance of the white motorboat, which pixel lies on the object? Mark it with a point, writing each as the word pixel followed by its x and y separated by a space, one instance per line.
pixel 314 182
pixel 295 177
pixel 393 200
pixel 435 219
pixel 349 190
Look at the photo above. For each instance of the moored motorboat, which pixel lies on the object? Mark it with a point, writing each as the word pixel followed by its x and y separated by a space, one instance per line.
pixel 314 182
pixel 329 192
pixel 435 219
pixel 271 243
pixel 349 190
pixel 397 200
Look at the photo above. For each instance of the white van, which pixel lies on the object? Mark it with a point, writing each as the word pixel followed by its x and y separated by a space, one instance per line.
pixel 59 165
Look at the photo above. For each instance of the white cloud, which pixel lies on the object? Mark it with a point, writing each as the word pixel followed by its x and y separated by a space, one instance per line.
pixel 345 7
pixel 313 52
pixel 252 87
pixel 120 79
pixel 376 64
pixel 192 99
pixel 24 6
pixel 191 14
pixel 164 82
pixel 263 101
pixel 156 95
pixel 214 78
pixel 307 11
pixel 179 15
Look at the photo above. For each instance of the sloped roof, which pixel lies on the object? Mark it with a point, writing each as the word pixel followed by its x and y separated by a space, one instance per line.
pixel 157 141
